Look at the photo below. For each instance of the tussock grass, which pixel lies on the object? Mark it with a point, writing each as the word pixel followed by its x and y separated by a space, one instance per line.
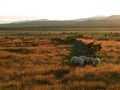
pixel 44 66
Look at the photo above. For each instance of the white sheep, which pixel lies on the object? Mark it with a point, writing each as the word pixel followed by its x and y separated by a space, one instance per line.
pixel 77 61
pixel 83 60
pixel 88 60
pixel 95 61
pixel 83 57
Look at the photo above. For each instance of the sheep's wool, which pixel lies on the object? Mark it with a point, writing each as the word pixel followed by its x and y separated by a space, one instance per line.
pixel 82 60
pixel 96 61
pixel 77 60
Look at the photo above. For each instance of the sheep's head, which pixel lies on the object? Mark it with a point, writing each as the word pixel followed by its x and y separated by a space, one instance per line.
pixel 95 61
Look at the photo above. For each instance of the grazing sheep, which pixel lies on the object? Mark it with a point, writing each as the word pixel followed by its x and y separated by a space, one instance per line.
pixel 95 61
pixel 88 60
pixel 73 59
pixel 84 57
pixel 77 61
pixel 83 60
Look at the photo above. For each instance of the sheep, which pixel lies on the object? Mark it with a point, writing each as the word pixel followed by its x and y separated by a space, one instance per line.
pixel 84 57
pixel 95 61
pixel 83 60
pixel 73 59
pixel 88 60
pixel 77 61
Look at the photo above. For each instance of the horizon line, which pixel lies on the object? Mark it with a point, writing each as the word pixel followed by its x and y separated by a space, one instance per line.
pixel 13 19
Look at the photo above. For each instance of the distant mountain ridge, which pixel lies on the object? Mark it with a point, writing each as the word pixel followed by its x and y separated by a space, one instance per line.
pixel 99 17
pixel 92 22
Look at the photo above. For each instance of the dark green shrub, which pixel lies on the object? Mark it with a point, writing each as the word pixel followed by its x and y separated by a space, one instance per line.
pixel 80 48
pixel 69 40
pixel 56 40
pixel 80 36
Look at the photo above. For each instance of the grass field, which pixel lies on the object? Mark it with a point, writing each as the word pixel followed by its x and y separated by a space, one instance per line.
pixel 29 60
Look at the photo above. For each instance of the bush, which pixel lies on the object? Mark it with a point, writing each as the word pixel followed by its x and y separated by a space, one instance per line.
pixel 80 48
pixel 67 40
pixel 56 40
pixel 70 40
pixel 80 36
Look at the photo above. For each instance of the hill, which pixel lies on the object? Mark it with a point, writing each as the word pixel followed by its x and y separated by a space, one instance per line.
pixel 93 22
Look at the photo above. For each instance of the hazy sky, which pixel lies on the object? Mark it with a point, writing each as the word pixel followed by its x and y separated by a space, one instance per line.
pixel 56 9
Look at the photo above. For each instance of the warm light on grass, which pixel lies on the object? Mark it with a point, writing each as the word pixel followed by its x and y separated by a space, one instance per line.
pixel 24 66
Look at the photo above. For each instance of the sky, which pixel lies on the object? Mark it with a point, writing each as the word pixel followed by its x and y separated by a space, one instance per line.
pixel 14 10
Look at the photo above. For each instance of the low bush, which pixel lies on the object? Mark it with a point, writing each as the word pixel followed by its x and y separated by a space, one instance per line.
pixel 80 48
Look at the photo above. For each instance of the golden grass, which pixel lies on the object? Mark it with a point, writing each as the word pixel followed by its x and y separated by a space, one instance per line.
pixel 38 64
